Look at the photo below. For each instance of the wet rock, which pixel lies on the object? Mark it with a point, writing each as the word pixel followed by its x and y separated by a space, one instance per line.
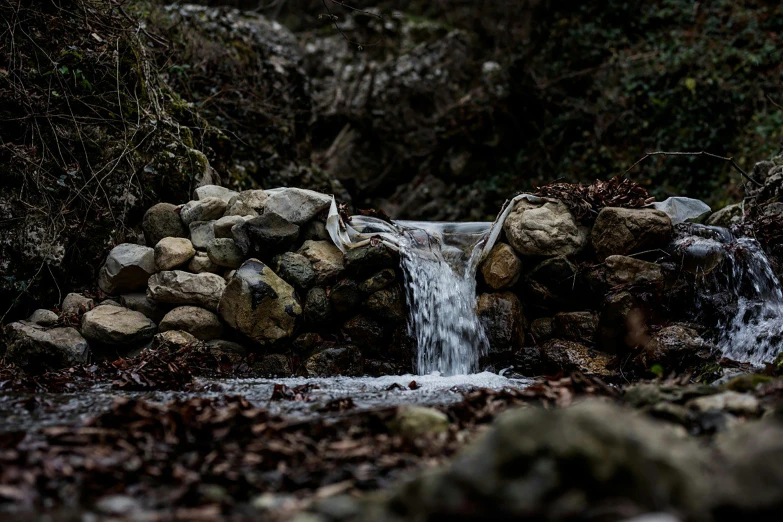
pixel 729 401
pixel 213 191
pixel 621 231
pixel 222 227
pixel 622 324
pixel 526 465
pixel 174 339
pixel 247 203
pixel 554 284
pixel 200 323
pixel 727 216
pixel 77 304
pixel 318 307
pixel 327 260
pixel 228 350
pixel 675 348
pixel 645 394
pixel 202 263
pixel 343 360
pixel 624 270
pixel 274 365
pixel 162 220
pixel 388 305
pixel 308 343
pixel 502 316
pixel 171 252
pixel 541 329
pixel 140 302
pixel 568 356
pixel 266 235
pixel 365 332
pixel 413 422
pixel 698 255
pixel 127 268
pixel 345 296
pixel 38 349
pixel 296 269
pixel 207 209
pixel 377 281
pixel 43 317
pixel 548 229
pixel 316 231
pixel 502 267
pixel 528 361
pixel 297 205
pixel 747 382
pixel 225 252
pixel 182 288
pixel 370 258
pixel 202 233
pixel 260 304
pixel 117 326
pixel 575 326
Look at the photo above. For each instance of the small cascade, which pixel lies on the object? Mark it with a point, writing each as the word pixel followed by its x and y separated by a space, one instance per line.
pixel 737 285
pixel 439 262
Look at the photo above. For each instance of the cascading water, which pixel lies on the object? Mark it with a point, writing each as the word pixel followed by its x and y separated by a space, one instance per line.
pixel 439 262
pixel 739 286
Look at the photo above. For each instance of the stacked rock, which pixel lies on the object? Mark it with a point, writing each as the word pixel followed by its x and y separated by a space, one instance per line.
pixel 242 272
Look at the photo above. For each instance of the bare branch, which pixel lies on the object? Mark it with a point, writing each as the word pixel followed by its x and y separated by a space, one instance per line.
pixel 727 159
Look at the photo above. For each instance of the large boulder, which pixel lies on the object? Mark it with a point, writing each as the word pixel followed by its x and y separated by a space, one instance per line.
pixel 117 326
pixel 183 288
pixel 207 209
pixel 326 259
pixel 37 349
pixel 297 205
pixel 502 317
pixel 200 323
pixel 501 268
pixel 171 252
pixel 260 304
pixel 266 235
pixel 544 229
pixel 162 220
pixel 127 268
pixel 622 231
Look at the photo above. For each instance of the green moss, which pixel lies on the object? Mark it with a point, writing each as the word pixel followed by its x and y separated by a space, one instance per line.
pixel 747 383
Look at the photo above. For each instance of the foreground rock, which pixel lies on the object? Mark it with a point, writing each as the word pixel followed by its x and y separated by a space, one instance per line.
pixel 162 220
pixel 265 236
pixel 544 229
pixel 117 326
pixel 183 288
pixel 37 349
pixel 200 323
pixel 171 252
pixel 297 205
pixel 622 231
pixel 502 317
pixel 675 348
pixel 260 304
pixel 127 268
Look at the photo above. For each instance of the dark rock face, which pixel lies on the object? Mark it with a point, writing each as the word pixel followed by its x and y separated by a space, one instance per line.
pixel 367 259
pixel 675 348
pixel 37 349
pixel 387 305
pixel 575 326
pixel 273 365
pixel 265 236
pixel 318 308
pixel 568 356
pixel 502 316
pixel 621 231
pixel 377 281
pixel 296 269
pixel 162 220
pixel 622 324
pixel 345 296
pixel 344 360
pixel 554 284
pixel 368 334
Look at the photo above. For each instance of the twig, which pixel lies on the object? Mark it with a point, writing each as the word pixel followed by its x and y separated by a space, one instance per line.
pixel 727 159
pixel 333 18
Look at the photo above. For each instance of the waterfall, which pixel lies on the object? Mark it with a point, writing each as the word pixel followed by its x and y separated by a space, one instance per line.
pixel 736 284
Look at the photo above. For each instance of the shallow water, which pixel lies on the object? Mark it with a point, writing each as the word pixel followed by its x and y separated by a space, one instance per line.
pixel 30 411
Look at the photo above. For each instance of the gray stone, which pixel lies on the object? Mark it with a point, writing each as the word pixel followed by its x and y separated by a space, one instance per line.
pixel 77 304
pixel 266 235
pixel 213 191
pixel 413 422
pixel 297 205
pixel 729 401
pixel 370 258
pixel 502 316
pixel 222 227
pixel 201 233
pixel 162 220
pixel 202 263
pixel 622 231
pixel 43 317
pixel 327 260
pixel 224 252
pixel 318 307
pixel 207 209
pixel 501 268
pixel 200 323
pixel 117 326
pixel 127 268
pixel 727 216
pixel 171 252
pixel 182 288
pixel 296 269
pixel 377 281
pixel 260 304
pixel 141 303
pixel 544 229
pixel 37 349
pixel 247 203
pixel 343 360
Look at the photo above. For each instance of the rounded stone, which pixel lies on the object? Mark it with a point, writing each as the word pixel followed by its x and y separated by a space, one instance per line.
pixel 296 269
pixel 544 229
pixel 502 267
pixel 202 263
pixel 115 325
pixel 200 323
pixel 622 231
pixel 183 288
pixel 201 233
pixel 318 307
pixel 171 252
pixel 222 227
pixel 77 304
pixel 207 209
pixel 213 191
pixel 162 220
pixel 223 251
pixel 326 259
pixel 265 236
pixel 43 317
pixel 127 268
